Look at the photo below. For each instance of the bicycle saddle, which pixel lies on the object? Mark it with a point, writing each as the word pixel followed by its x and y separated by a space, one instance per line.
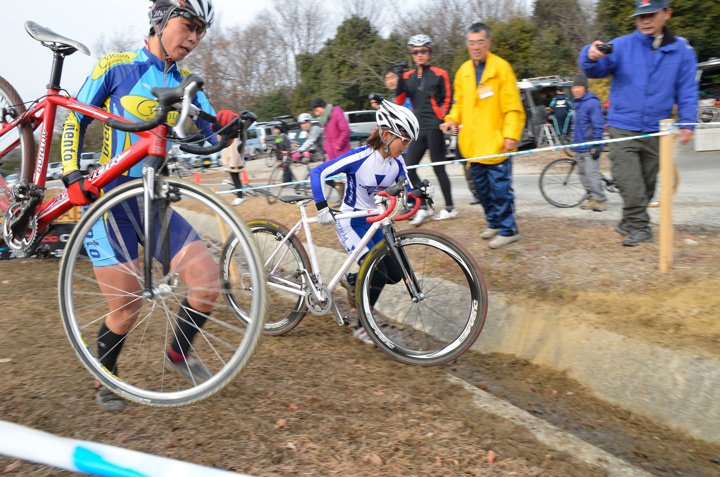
pixel 45 35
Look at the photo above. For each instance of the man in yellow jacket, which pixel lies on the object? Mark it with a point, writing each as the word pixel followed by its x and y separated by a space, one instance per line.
pixel 488 107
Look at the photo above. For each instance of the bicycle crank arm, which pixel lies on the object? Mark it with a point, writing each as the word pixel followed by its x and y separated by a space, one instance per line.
pixel 342 320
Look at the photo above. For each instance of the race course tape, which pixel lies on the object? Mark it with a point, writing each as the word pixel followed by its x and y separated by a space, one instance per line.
pixel 91 458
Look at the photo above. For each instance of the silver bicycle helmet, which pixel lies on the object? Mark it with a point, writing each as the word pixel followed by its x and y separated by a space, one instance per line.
pixel 397 119
pixel 304 117
pixel 419 40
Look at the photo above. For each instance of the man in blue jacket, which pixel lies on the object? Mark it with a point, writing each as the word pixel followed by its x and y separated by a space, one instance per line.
pixel 589 126
pixel 652 70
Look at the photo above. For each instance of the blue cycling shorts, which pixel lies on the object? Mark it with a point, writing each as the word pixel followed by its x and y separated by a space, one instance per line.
pixel 114 239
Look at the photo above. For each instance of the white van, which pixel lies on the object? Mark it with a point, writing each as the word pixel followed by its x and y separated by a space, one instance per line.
pixel 361 121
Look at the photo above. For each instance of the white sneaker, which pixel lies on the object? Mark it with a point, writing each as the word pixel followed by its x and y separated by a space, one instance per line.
pixel 489 233
pixel 444 214
pixel 361 335
pixel 238 201
pixel 501 241
pixel 419 217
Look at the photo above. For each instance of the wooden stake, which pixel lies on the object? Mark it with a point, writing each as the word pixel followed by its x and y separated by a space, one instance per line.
pixel 666 197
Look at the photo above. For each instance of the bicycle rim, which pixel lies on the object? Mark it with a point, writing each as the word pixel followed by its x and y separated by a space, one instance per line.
pixel 276 178
pixel 223 345
pixel 560 184
pixel 11 106
pixel 445 322
pixel 284 267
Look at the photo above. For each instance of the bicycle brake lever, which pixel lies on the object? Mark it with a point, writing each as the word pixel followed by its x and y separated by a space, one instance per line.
pixel 189 94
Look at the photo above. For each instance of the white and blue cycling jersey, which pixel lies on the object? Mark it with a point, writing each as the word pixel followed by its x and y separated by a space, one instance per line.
pixel 366 174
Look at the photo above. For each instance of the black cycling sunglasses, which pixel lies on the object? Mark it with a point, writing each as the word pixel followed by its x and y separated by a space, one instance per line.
pixel 422 51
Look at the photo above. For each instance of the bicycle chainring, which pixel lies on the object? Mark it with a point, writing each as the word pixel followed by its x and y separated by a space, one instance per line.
pixel 318 308
pixel 25 243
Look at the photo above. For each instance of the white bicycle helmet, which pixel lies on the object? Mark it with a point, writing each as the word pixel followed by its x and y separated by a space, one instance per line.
pixel 304 117
pixel 397 119
pixel 419 40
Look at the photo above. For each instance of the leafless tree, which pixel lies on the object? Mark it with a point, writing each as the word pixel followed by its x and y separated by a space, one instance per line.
pixel 374 10
pixel 503 10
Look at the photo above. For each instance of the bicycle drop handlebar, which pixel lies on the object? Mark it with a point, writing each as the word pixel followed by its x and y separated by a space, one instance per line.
pixel 391 192
pixel 180 97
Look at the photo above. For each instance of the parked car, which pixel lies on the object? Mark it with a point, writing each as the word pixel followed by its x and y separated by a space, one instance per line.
pixel 89 161
pixel 535 94
pixel 361 121
pixel 54 171
pixel 11 179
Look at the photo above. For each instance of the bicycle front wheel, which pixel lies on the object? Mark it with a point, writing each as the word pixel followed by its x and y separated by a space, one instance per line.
pixel 102 277
pixel 11 107
pixel 449 313
pixel 286 265
pixel 560 184
pixel 276 178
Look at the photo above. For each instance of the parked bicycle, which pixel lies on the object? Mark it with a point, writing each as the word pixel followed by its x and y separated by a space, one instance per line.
pixel 431 316
pixel 225 344
pixel 290 174
pixel 560 184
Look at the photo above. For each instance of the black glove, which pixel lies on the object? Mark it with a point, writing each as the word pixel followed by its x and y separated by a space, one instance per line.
pixel 595 152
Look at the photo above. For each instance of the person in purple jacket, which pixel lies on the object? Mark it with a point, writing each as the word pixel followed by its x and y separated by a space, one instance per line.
pixel 652 71
pixel 337 131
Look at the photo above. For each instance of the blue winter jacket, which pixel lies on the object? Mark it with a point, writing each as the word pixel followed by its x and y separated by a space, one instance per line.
pixel 646 84
pixel 589 123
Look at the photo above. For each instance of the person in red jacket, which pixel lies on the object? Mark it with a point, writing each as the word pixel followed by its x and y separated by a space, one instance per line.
pixel 430 93
pixel 337 131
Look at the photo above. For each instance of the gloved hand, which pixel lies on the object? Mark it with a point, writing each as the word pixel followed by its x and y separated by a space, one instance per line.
pixel 307 154
pixel 326 216
pixel 80 191
pixel 225 117
pixel 296 155
pixel 595 151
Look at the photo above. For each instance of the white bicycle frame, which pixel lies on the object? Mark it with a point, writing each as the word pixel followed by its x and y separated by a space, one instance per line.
pixel 315 280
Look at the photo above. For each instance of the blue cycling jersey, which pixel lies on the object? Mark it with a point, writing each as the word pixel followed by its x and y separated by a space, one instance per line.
pixel 121 83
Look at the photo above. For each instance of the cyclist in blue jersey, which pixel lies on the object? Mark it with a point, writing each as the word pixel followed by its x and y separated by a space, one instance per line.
pixel 121 83
pixel 369 170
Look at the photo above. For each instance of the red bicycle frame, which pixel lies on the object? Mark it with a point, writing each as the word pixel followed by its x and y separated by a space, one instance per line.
pixel 151 143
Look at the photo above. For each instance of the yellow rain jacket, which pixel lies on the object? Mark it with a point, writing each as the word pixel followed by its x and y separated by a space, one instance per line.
pixel 487 122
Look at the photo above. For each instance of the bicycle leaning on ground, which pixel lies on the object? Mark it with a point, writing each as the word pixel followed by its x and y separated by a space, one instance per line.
pixel 290 174
pixel 430 316
pixel 560 184
pixel 224 345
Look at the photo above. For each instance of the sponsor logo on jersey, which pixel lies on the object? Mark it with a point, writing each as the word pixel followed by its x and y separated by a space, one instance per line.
pixel 110 60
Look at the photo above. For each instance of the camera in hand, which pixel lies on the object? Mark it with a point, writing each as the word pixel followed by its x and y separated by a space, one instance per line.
pixel 605 48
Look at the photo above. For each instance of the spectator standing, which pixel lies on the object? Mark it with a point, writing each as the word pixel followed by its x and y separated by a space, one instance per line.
pixel 487 104
pixel 429 91
pixel 652 70
pixel 562 108
pixel 391 78
pixel 234 163
pixel 589 126
pixel 282 141
pixel 337 130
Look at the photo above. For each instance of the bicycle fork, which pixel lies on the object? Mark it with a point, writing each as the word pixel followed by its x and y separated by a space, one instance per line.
pixel 153 199
pixel 398 254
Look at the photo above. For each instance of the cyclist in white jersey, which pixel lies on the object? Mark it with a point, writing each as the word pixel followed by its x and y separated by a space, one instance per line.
pixel 368 170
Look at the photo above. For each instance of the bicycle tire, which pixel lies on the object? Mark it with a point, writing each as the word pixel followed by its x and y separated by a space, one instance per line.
pixel 285 309
pixel 276 178
pixel 441 326
pixel 560 184
pixel 676 184
pixel 12 106
pixel 224 344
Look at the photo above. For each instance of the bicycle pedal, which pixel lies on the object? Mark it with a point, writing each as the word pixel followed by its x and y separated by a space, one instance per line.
pixel 342 320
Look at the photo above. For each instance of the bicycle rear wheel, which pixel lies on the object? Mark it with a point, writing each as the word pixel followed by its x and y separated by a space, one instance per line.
pixel 560 184
pixel 448 317
pixel 197 224
pixel 285 266
pixel 17 142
